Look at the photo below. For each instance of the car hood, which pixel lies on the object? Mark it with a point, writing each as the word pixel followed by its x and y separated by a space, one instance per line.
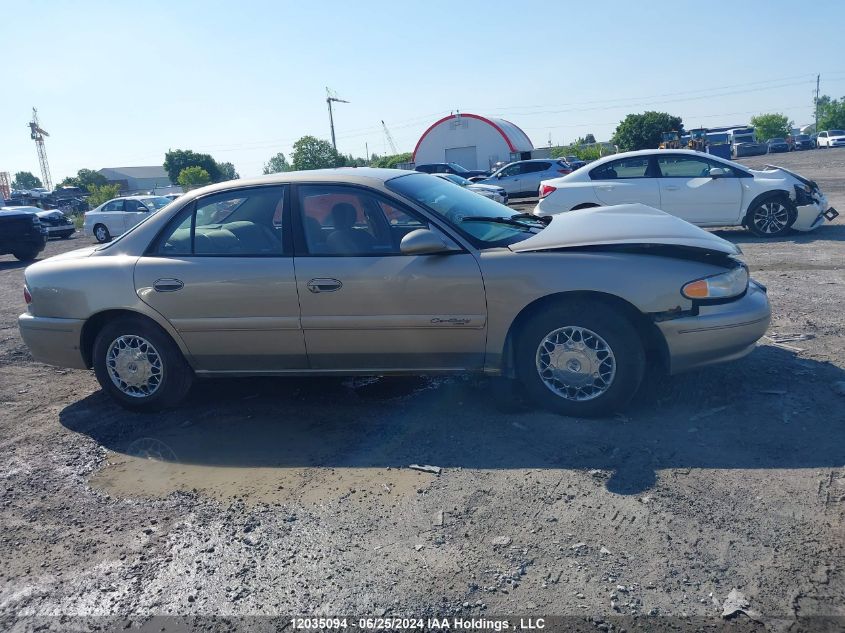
pixel 480 187
pixel 773 171
pixel 621 224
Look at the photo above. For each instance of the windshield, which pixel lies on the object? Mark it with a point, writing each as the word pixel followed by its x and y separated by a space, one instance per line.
pixel 458 168
pixel 802 137
pixel 744 139
pixel 836 133
pixel 159 202
pixel 777 140
pixel 458 180
pixel 454 204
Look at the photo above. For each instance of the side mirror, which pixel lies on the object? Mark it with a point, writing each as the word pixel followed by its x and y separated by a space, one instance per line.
pixel 718 172
pixel 499 175
pixel 423 242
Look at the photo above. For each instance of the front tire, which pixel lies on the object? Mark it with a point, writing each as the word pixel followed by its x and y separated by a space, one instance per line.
pixel 581 359
pixel 26 255
pixel 101 234
pixel 140 366
pixel 771 217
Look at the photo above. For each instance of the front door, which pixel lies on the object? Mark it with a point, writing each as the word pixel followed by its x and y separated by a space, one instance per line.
pixel 625 181
pixel 365 305
pixel 511 179
pixel 689 192
pixel 134 212
pixel 222 274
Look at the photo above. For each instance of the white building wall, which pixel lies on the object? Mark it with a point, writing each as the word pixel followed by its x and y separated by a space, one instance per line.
pixel 490 145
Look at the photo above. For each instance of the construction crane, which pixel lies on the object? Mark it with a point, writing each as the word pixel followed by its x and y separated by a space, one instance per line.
pixel 331 96
pixel 389 139
pixel 37 134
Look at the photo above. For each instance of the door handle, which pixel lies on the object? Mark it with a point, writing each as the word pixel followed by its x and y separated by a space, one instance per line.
pixel 168 285
pixel 606 188
pixel 671 188
pixel 324 285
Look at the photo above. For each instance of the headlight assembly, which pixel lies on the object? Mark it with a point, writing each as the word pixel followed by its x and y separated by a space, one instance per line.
pixel 722 286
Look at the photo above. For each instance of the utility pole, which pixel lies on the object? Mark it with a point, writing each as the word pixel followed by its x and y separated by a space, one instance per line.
pixel 330 97
pixel 818 78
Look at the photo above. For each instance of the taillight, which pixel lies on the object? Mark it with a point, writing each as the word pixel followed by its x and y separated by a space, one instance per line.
pixel 546 190
pixel 26 296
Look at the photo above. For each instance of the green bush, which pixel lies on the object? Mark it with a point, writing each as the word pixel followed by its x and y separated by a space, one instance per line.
pixel 101 193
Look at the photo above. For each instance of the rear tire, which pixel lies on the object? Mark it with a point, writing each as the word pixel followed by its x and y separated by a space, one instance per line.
pixel 139 365
pixel 101 233
pixel 580 359
pixel 771 217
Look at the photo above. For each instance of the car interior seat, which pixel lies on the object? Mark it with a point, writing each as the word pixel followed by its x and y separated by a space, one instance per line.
pixel 345 239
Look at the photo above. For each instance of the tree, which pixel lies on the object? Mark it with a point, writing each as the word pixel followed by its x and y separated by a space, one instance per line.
pixel 193 177
pixel 643 131
pixel 26 180
pixel 84 179
pixel 98 194
pixel 277 164
pixel 831 113
pixel 178 159
pixel 772 125
pixel 392 161
pixel 227 172
pixel 314 153
pixel 589 139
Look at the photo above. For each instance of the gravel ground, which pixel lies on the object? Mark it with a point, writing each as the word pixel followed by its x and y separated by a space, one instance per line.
pixel 283 497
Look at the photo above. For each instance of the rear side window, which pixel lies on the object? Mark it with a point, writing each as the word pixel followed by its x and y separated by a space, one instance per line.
pixel 244 223
pixel 633 167
pixel 531 168
pixel 114 205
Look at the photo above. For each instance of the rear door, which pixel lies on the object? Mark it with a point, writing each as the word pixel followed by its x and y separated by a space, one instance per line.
pixel 222 273
pixel 627 180
pixel 533 173
pixel 687 190
pixel 367 306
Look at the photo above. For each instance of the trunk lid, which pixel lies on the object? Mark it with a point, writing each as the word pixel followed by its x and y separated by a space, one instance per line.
pixel 624 224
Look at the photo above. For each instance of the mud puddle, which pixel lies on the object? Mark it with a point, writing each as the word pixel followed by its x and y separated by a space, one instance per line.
pixel 132 476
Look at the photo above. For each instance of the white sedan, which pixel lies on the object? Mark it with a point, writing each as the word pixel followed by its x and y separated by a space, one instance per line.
pixel 700 188
pixel 118 215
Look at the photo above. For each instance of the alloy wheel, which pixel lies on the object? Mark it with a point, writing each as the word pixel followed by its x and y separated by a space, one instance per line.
pixel 771 217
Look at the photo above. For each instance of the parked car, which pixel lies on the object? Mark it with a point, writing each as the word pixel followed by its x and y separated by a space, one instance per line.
pixel 171 196
pixel 38 193
pixel 801 141
pixel 60 193
pixel 450 168
pixel 118 215
pixel 574 162
pixel 697 187
pixel 831 138
pixel 384 271
pixel 523 177
pixel 497 194
pixel 21 234
pixel 56 222
pixel 775 145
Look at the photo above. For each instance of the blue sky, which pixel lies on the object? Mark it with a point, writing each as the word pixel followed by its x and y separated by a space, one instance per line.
pixel 118 83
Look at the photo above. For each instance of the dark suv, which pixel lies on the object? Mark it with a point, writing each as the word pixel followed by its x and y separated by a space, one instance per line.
pixel 21 234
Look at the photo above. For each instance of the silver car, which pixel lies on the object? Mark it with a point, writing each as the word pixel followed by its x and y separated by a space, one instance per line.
pixel 523 177
pixel 382 271
pixel 498 194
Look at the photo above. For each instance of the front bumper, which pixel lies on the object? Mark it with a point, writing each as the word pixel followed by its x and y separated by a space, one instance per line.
pixel 811 216
pixel 719 333
pixel 53 341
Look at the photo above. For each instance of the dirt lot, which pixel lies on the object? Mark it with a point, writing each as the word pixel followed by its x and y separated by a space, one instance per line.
pixel 294 496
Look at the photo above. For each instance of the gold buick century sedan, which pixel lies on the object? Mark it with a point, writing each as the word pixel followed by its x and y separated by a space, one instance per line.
pixel 383 271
